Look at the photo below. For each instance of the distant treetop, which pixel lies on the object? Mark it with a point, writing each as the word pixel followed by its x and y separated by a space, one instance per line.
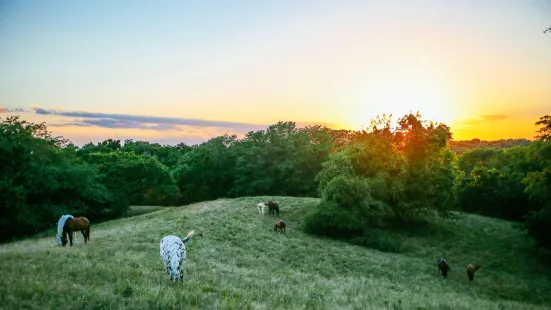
pixel 460 147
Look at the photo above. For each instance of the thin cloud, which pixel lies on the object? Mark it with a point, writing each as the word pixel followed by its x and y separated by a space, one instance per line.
pixel 108 120
pixel 4 109
pixel 493 118
pixel 477 119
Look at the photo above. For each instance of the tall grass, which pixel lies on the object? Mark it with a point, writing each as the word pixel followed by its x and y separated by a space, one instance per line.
pixel 237 261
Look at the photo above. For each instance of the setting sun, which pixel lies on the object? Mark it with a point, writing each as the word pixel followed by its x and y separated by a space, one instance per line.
pixel 397 93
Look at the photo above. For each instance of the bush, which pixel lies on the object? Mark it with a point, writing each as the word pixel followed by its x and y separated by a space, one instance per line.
pixel 347 209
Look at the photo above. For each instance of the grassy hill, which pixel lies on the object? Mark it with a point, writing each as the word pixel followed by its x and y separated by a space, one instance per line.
pixel 237 261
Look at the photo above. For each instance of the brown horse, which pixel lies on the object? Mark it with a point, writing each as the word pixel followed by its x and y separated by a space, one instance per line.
pixel 280 226
pixel 76 224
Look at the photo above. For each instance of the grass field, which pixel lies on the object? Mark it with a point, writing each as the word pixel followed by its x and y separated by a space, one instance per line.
pixel 139 210
pixel 237 261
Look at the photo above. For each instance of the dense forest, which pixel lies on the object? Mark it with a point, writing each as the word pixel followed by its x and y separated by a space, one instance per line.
pixel 390 175
pixel 461 147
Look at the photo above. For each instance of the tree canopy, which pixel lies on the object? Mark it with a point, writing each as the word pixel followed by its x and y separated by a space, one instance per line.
pixel 368 181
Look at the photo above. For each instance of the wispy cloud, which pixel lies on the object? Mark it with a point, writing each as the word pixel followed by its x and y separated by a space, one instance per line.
pixel 157 123
pixel 477 119
pixel 4 109
pixel 108 120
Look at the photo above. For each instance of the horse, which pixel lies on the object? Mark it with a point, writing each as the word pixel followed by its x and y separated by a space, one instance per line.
pixel 471 270
pixel 76 224
pixel 443 267
pixel 280 226
pixel 261 206
pixel 60 225
pixel 273 208
pixel 173 253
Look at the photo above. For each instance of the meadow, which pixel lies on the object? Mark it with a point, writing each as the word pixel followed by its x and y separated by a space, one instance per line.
pixel 237 261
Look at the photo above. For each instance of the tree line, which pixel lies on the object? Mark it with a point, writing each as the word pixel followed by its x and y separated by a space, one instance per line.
pixel 389 175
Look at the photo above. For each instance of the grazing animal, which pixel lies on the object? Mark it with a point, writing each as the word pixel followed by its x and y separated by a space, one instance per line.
pixel 60 225
pixel 443 267
pixel 280 226
pixel 471 269
pixel 261 206
pixel 173 253
pixel 273 208
pixel 74 224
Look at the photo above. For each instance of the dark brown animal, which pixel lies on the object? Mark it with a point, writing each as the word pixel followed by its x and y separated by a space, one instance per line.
pixel 280 226
pixel 443 267
pixel 76 224
pixel 471 270
pixel 273 208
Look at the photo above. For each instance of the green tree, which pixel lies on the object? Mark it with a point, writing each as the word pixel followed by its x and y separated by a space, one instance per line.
pixel 404 172
pixel 544 133
pixel 206 171
pixel 41 178
pixel 281 160
pixel 166 154
pixel 538 187
pixel 136 179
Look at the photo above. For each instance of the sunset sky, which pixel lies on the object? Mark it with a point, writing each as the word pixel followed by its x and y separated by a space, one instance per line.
pixel 186 71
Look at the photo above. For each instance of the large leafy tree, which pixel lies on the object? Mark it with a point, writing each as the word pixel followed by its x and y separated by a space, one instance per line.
pixel 538 185
pixel 206 171
pixel 135 179
pixel 41 179
pixel 405 172
pixel 492 181
pixel 281 160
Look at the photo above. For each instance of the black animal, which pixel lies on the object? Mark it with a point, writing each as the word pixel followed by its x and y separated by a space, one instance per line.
pixel 443 267
pixel 273 208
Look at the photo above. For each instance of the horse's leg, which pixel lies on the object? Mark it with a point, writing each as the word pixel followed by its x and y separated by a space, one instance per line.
pixel 70 238
pixel 83 231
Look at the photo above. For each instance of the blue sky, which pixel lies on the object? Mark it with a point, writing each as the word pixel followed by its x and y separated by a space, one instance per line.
pixel 481 66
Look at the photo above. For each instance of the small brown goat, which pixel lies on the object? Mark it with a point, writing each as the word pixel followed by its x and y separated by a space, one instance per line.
pixel 471 269
pixel 280 226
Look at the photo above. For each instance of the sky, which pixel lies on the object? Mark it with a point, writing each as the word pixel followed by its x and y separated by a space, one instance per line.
pixel 186 71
